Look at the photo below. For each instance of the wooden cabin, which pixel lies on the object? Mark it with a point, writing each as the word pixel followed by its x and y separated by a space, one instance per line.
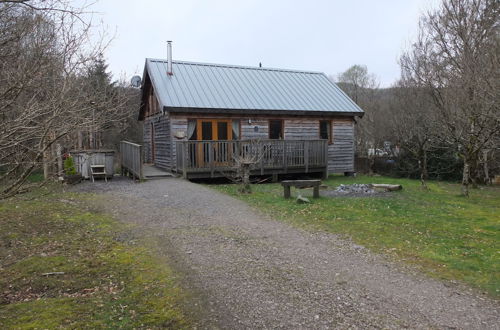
pixel 198 117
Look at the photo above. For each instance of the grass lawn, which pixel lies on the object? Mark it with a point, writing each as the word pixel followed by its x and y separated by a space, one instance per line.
pixel 106 281
pixel 447 235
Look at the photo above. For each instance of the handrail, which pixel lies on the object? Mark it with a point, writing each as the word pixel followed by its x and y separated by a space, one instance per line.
pixel 131 159
pixel 283 155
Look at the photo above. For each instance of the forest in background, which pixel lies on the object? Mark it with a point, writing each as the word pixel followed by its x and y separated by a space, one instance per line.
pixel 440 120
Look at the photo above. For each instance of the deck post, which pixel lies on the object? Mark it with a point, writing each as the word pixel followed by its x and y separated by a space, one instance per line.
pixel 285 161
pixel 306 155
pixel 141 162
pixel 184 158
pixel 211 157
pixel 326 159
pixel 261 154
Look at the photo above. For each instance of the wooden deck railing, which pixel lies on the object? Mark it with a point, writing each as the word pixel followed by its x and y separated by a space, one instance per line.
pixel 131 159
pixel 269 155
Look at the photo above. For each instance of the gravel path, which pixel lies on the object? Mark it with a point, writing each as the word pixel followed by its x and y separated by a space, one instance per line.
pixel 250 271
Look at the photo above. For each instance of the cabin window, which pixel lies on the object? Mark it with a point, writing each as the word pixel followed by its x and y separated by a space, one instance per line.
pixel 325 130
pixel 276 129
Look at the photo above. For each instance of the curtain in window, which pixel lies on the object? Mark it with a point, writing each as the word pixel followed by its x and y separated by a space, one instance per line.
pixel 191 128
pixel 236 129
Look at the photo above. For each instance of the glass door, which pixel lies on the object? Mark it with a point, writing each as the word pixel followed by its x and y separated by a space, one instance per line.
pixel 214 130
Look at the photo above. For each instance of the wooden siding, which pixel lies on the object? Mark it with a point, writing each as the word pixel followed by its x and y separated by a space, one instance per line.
pixel 248 130
pixel 341 151
pixel 146 141
pixel 297 129
pixel 177 125
pixel 163 141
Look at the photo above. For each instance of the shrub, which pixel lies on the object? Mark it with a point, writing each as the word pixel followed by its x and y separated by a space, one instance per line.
pixel 69 166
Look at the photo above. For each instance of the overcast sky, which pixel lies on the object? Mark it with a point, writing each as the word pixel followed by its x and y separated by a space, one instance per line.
pixel 318 35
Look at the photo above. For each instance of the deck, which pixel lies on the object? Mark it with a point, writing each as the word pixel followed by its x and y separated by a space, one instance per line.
pixel 149 171
pixel 211 159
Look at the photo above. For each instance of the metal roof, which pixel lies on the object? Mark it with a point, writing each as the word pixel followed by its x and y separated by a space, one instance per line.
pixel 218 86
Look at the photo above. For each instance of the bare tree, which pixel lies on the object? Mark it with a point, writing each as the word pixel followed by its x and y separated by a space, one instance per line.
pixel 361 86
pixel 244 158
pixel 456 59
pixel 413 125
pixel 44 96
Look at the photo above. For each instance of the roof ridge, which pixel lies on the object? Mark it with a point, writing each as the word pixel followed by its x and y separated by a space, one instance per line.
pixel 236 66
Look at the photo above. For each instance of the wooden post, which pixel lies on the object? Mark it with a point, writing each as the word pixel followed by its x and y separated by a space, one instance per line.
pixel 287 191
pixel 325 159
pixel 306 155
pixel 316 191
pixel 285 157
pixel 211 158
pixel 141 174
pixel 261 155
pixel 184 155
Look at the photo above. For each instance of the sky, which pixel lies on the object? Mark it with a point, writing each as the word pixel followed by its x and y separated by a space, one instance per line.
pixel 317 35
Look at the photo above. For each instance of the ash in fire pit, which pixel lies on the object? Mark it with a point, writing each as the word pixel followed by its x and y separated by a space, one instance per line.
pixel 354 190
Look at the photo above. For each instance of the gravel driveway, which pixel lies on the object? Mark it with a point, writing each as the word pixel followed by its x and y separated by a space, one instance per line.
pixel 250 271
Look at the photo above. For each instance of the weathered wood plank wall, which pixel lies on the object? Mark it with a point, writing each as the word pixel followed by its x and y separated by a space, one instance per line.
pixel 146 140
pixel 160 124
pixel 177 124
pixel 340 152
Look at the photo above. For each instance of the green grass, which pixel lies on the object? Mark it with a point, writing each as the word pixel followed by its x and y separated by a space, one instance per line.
pixel 448 235
pixel 107 282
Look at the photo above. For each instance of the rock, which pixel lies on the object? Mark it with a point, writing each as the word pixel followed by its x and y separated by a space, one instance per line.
pixel 302 200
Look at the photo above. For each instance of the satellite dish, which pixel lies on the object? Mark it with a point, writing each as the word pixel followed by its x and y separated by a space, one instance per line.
pixel 136 81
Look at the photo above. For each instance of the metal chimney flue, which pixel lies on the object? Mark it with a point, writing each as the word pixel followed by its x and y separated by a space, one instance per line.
pixel 169 58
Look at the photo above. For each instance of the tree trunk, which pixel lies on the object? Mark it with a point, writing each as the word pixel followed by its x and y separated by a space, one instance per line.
pixel 422 165
pixel 59 159
pixel 466 178
pixel 371 163
pixel 80 140
pixel 245 179
pixel 46 165
pixel 487 179
pixel 91 139
pixel 474 172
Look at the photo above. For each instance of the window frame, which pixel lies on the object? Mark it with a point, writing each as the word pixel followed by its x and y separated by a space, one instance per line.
pixel 330 130
pixel 282 121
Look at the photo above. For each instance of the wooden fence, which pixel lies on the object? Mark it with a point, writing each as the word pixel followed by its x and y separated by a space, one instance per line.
pixel 131 159
pixel 276 156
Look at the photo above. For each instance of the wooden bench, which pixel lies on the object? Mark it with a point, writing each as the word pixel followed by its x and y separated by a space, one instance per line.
pixel 301 184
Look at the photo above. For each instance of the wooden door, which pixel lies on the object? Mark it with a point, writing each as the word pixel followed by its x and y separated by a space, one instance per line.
pixel 214 130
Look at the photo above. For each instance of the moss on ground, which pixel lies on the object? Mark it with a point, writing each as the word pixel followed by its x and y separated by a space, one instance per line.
pixel 106 282
pixel 448 235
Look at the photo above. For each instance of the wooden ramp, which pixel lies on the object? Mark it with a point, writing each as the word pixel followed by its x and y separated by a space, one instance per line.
pixel 151 172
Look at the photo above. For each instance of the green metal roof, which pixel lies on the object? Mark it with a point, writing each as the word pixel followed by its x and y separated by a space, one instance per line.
pixel 231 87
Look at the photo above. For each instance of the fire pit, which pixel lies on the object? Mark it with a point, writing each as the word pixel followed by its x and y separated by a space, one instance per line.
pixel 358 190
